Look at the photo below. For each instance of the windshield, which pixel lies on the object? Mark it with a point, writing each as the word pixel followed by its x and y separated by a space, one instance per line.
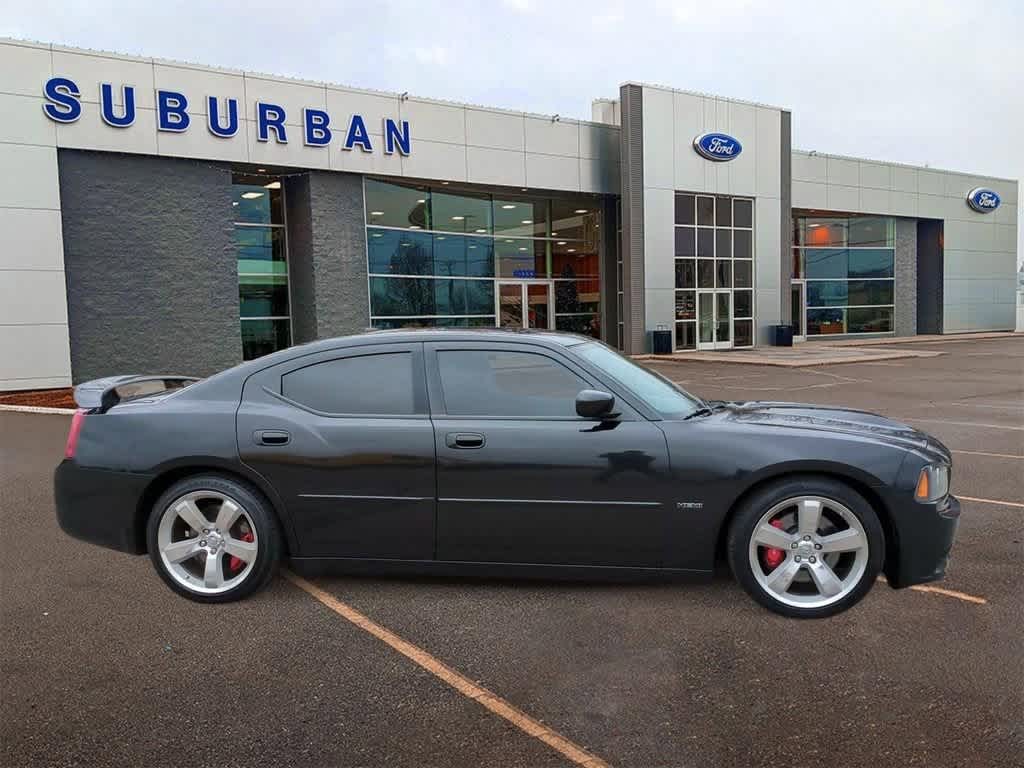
pixel 659 393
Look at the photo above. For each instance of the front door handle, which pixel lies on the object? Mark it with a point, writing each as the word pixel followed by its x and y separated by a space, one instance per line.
pixel 464 440
pixel 272 437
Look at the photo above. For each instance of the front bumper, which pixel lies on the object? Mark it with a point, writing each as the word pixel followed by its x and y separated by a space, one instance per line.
pixel 100 506
pixel 925 534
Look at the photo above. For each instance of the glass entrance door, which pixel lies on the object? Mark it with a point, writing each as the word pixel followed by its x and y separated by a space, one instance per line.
pixel 798 300
pixel 525 304
pixel 714 319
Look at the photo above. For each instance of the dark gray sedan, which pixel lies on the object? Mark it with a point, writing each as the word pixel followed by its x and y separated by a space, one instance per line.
pixel 511 454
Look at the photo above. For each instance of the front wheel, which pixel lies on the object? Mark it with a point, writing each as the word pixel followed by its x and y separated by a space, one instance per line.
pixel 213 539
pixel 806 547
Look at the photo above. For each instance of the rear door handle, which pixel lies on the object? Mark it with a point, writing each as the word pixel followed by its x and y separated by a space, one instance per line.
pixel 272 437
pixel 464 440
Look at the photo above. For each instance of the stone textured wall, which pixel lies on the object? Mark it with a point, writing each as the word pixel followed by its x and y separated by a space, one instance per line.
pixel 150 264
pixel 906 277
pixel 327 254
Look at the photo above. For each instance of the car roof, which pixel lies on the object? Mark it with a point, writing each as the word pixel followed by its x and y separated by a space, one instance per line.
pixel 465 334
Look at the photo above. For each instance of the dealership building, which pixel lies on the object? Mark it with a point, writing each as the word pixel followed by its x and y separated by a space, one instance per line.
pixel 161 216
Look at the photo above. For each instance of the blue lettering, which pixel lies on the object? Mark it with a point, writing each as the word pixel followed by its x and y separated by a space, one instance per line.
pixel 393 136
pixel 107 106
pixel 357 134
pixel 213 118
pixel 317 133
pixel 170 111
pixel 62 100
pixel 270 116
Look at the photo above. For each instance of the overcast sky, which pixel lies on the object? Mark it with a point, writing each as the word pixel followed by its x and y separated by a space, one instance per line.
pixel 937 82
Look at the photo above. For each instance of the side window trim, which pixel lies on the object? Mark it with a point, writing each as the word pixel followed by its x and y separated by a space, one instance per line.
pixel 438 406
pixel 421 405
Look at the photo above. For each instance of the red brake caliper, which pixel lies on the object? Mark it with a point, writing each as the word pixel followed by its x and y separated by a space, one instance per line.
pixel 773 556
pixel 237 563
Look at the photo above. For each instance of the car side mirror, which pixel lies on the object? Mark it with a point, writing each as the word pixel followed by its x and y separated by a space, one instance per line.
pixel 593 404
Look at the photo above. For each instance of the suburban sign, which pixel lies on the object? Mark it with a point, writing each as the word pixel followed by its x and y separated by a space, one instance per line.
pixel 717 146
pixel 983 200
pixel 63 105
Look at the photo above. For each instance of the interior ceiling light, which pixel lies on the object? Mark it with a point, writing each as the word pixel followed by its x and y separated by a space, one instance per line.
pixel 527 221
pixel 414 226
pixel 377 234
pixel 234 202
pixel 376 213
pixel 510 241
pixel 554 234
pixel 272 185
pixel 572 250
pixel 508 206
pixel 261 170
pixel 522 249
pixel 581 210
pixel 252 195
pixel 458 218
pixel 561 242
pixel 422 200
pixel 444 183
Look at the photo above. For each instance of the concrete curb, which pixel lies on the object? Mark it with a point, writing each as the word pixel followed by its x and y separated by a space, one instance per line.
pixel 810 362
pixel 36 409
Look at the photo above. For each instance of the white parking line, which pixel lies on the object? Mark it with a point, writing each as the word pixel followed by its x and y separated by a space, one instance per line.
pixel 986 453
pixel 490 701
pixel 997 502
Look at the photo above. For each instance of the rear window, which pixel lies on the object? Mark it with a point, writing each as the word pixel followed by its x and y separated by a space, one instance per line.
pixel 369 384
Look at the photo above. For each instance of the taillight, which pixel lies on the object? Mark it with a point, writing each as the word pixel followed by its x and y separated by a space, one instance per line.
pixel 76 427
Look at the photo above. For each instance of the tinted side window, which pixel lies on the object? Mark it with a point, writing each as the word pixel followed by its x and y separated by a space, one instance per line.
pixel 515 384
pixel 368 384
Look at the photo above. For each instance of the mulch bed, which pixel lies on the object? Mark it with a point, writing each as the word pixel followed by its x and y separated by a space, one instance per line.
pixel 46 398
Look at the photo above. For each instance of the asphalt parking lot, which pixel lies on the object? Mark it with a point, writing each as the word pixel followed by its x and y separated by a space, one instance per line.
pixel 100 664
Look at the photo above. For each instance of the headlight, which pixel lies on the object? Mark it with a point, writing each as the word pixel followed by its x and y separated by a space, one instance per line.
pixel 933 483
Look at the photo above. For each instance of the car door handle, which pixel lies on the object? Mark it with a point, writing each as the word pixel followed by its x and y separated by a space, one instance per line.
pixel 272 437
pixel 464 440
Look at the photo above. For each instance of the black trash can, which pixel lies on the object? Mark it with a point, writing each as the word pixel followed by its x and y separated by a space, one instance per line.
pixel 782 335
pixel 661 341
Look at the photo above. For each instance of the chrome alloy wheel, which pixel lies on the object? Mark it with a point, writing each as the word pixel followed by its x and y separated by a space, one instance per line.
pixel 808 551
pixel 207 542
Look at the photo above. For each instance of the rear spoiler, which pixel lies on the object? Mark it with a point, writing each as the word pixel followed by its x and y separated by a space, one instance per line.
pixel 103 394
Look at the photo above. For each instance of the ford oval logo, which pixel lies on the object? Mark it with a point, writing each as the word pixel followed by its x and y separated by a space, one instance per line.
pixel 717 146
pixel 983 200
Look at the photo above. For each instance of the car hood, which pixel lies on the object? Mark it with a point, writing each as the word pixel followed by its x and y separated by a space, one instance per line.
pixel 831 419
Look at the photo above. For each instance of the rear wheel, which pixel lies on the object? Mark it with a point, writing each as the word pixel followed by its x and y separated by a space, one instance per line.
pixel 213 539
pixel 806 547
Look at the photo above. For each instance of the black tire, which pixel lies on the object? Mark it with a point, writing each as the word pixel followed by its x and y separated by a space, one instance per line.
pixel 264 520
pixel 764 499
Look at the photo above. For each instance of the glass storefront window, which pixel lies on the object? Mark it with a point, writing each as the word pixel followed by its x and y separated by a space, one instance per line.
pixel 463 212
pixel 848 264
pixel 262 262
pixel 393 205
pixel 686 273
pixel 686 335
pixel 426 232
pixel 686 242
pixel 686 209
pixel 743 274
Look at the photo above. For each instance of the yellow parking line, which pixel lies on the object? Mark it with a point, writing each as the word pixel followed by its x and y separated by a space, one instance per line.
pixel 950 593
pixel 992 501
pixel 986 453
pixel 459 682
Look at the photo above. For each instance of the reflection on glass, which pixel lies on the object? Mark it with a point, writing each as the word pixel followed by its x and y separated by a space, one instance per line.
pixel 743 333
pixel 723 244
pixel 538 304
pixel 742 244
pixel 510 305
pixel 686 273
pixel 743 213
pixel 686 335
pixel 840 263
pixel 260 250
pixel 686 242
pixel 797 308
pixel 587 325
pixel 254 203
pixel 523 259
pixel 706 211
pixel 263 295
pixel 705 243
pixel 869 320
pixel 686 305
pixel 825 321
pixel 723 273
pixel 261 337
pixel 407 296
pixel 463 212
pixel 685 209
pixel 521 217
pixel 744 301
pixel 576 296
pixel 706 273
pixel 706 317
pixel 743 274
pixel 397 205
pixel 723 319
